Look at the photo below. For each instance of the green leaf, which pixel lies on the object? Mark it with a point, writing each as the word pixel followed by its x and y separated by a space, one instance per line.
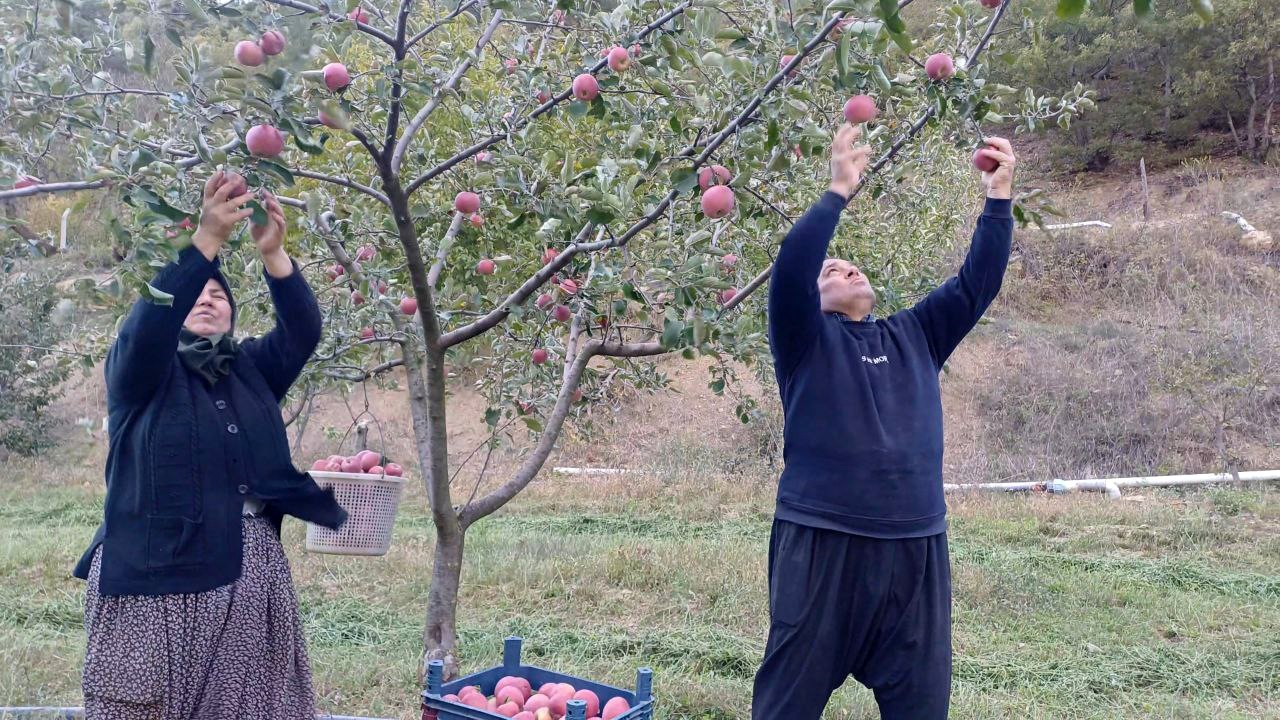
pixel 729 34
pixel 148 52
pixel 202 148
pixel 173 37
pixel 671 330
pixel 278 170
pixel 889 11
pixel 880 79
pixel 1142 8
pixel 259 216
pixel 141 158
pixel 601 215
pixel 775 133
pixel 534 423
pixel 842 56
pixel 1070 8
pixel 154 295
pixel 1203 8
pixel 491 416
pixel 577 108
pixel 684 179
pixel 307 145
pixel 902 41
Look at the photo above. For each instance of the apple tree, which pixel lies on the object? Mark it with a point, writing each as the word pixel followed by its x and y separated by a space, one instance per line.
pixel 551 194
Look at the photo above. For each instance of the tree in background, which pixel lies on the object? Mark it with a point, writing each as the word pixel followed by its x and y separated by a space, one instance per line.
pixel 1162 75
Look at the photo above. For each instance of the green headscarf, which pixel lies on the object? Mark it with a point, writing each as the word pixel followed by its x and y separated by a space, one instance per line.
pixel 209 357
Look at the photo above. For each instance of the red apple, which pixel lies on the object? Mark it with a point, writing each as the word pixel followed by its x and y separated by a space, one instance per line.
pixel 26 181
pixel 586 87
pixel 466 202
pixel 576 396
pixel 264 141
pixel 537 702
pixel 990 4
pixel 320 465
pixel 335 271
pixel 729 260
pixel 939 66
pixel 366 333
pixel 542 96
pixel 486 267
pixel 619 59
pixel 449 698
pixel 860 109
pixel 510 693
pixel 782 63
pixel 335 458
pixel 548 255
pixel 351 465
pixel 409 306
pixel 726 295
pixel 186 223
pixel 569 286
pixel 365 253
pixel 334 466
pixel 714 175
pixel 377 470
pixel 524 715
pixel 368 459
pixel 336 76
pixel 507 709
pixel 510 64
pixel 394 470
pixel 539 356
pixel 591 699
pixel 717 202
pixel 517 682
pixel 477 220
pixel 357 298
pixel 562 313
pixel 359 15
pixel 484 157
pixel 543 301
pixel 272 42
pixel 614 708
pixel 475 700
pixel 984 162
pixel 329 121
pixel 248 53
pixel 559 701
pixel 557 16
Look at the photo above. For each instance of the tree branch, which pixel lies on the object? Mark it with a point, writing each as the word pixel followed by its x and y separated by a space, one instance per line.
pixel 466 5
pixel 545 107
pixel 421 117
pixel 500 313
pixel 53 187
pixel 368 29
pixel 344 182
pixel 446 242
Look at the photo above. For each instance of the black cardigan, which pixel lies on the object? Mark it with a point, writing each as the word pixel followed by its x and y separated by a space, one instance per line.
pixel 183 456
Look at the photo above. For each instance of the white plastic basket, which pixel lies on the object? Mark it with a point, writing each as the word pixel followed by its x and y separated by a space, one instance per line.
pixel 371 502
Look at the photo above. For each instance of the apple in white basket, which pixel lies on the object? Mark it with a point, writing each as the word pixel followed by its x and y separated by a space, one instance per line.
pixel 376 470
pixel 394 470
pixel 351 465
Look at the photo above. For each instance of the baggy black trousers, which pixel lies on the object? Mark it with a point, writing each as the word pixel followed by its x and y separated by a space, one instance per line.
pixel 841 605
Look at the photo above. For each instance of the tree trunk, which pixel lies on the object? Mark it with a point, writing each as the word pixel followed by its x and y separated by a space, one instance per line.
pixel 1265 144
pixel 1235 135
pixel 1168 96
pixel 1251 125
pixel 440 634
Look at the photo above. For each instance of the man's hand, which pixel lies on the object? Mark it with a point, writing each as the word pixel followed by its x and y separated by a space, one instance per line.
pixel 848 160
pixel 999 182
pixel 219 213
pixel 269 237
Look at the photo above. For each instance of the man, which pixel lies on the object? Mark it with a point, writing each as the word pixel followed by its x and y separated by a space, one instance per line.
pixel 859 580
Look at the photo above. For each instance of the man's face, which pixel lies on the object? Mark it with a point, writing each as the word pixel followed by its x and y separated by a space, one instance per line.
pixel 212 312
pixel 844 289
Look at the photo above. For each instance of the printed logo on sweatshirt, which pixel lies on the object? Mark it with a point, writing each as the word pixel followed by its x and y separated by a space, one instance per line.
pixel 875 360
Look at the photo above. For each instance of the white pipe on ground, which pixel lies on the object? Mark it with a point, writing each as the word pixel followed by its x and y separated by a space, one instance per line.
pixel 1111 486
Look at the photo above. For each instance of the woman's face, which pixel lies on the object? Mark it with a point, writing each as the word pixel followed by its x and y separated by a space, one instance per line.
pixel 212 312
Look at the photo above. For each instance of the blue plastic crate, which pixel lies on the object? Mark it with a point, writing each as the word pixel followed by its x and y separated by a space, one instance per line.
pixel 434 706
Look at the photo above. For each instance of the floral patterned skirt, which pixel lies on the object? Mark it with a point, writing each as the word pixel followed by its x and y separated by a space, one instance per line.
pixel 232 653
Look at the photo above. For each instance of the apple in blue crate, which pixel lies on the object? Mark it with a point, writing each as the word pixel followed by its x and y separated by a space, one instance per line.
pixel 515 681
pixel 508 709
pixel 510 693
pixel 537 702
pixel 591 699
pixel 614 708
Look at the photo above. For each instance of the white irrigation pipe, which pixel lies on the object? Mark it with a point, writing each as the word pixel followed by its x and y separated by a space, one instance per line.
pixel 76 713
pixel 1081 224
pixel 1111 486
pixel 587 471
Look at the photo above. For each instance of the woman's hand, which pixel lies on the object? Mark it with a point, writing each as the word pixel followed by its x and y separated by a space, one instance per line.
pixel 220 212
pixel 999 182
pixel 269 237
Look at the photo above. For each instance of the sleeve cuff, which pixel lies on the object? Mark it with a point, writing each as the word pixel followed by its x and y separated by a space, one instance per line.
pixel 833 201
pixel 290 278
pixel 998 208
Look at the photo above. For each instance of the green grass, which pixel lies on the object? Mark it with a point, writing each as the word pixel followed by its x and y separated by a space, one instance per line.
pixel 1074 607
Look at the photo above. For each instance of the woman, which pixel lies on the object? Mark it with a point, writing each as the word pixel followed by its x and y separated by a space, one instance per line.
pixel 190 610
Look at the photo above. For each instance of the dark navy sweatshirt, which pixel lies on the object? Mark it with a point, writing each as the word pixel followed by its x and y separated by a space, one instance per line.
pixel 862 436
